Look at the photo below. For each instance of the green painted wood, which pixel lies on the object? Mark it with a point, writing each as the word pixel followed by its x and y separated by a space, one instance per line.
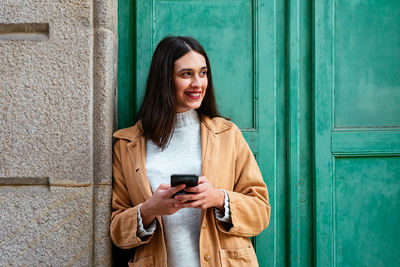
pixel 323 168
pixel 235 48
pixel 225 48
pixel 126 63
pixel 144 46
pixel 229 42
pixel 367 213
pixel 271 246
pixel 368 58
pixel 300 137
pixel 366 142
pixel 357 190
pixel 349 55
pixel 126 89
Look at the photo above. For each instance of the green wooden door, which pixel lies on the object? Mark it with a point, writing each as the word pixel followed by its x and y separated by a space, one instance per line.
pixel 230 33
pixel 246 88
pixel 315 88
pixel 357 132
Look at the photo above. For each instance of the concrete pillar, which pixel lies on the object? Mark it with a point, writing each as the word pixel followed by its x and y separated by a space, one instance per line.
pixel 58 75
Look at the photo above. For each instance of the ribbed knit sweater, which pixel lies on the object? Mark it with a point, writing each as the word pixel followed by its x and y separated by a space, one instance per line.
pixel 181 156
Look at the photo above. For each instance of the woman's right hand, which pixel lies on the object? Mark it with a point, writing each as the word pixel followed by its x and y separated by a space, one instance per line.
pixel 160 203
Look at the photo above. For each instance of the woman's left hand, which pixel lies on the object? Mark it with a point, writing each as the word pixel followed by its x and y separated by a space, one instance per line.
pixel 204 196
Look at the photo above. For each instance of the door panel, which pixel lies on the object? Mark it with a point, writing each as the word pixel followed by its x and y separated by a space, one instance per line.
pixel 225 29
pixel 246 90
pixel 230 45
pixel 357 133
pixel 366 142
pixel 367 214
pixel 366 43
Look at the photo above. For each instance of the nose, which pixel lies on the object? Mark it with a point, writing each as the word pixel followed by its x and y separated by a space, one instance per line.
pixel 195 82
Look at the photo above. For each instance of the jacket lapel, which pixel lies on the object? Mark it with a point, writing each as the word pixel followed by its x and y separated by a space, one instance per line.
pixel 138 159
pixel 204 136
pixel 137 153
pixel 209 153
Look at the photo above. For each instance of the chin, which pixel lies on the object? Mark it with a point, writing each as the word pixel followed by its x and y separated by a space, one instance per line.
pixel 195 106
pixel 189 106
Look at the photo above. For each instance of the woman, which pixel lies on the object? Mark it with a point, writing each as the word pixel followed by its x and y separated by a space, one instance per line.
pixel 179 130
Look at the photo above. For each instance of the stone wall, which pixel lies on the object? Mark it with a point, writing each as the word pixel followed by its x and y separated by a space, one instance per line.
pixel 58 61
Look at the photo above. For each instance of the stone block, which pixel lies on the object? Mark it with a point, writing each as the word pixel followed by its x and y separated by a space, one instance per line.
pixel 57 93
pixel 46 226
pixel 104 92
pixel 46 92
pixel 106 14
pixel 102 215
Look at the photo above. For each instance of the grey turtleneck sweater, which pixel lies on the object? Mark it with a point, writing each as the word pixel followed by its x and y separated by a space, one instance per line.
pixel 181 156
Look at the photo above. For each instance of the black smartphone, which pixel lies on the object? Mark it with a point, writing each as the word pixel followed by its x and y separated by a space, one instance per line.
pixel 188 179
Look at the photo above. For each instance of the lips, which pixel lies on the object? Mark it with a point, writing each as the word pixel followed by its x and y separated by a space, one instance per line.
pixel 193 94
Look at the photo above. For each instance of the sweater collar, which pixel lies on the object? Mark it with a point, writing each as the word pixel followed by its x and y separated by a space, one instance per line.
pixel 187 118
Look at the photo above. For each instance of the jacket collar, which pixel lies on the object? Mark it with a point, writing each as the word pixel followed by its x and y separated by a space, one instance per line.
pixel 215 125
pixel 131 133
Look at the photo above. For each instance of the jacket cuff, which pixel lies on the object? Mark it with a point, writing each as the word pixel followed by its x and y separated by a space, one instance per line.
pixel 141 230
pixel 224 216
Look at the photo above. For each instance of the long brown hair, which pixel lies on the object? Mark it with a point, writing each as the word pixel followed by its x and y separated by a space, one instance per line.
pixel 157 112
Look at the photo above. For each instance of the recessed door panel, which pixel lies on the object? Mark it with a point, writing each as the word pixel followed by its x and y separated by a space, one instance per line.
pixel 367 199
pixel 226 30
pixel 366 44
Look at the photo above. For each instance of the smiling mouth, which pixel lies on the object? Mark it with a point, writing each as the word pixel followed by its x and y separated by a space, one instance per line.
pixel 194 95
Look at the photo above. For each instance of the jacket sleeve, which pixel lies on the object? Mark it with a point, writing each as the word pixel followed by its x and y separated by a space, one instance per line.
pixel 124 220
pixel 249 204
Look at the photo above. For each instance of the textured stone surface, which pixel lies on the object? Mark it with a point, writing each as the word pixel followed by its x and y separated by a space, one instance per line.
pixel 102 214
pixel 57 98
pixel 105 14
pixel 46 90
pixel 104 84
pixel 45 226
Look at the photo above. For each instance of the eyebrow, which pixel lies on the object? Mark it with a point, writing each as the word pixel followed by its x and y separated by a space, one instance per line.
pixel 202 68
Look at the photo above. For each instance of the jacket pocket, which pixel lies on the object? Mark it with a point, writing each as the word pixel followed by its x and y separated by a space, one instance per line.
pixel 145 262
pixel 238 257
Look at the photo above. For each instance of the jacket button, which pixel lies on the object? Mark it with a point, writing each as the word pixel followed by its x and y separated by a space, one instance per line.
pixel 207 257
pixel 204 226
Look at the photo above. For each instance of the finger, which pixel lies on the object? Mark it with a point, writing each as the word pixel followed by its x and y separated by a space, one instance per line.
pixel 203 179
pixel 177 200
pixel 186 197
pixel 175 189
pixel 163 187
pixel 192 204
pixel 197 189
pixel 172 211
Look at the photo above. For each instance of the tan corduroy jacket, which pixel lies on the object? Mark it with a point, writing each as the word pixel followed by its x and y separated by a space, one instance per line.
pixel 228 163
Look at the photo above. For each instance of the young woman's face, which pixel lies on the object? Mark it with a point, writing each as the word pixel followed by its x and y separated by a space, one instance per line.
pixel 190 79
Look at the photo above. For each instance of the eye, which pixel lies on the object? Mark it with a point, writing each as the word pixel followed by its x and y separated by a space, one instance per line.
pixel 185 74
pixel 203 73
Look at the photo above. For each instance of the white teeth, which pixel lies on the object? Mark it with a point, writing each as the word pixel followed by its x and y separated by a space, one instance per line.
pixel 194 94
